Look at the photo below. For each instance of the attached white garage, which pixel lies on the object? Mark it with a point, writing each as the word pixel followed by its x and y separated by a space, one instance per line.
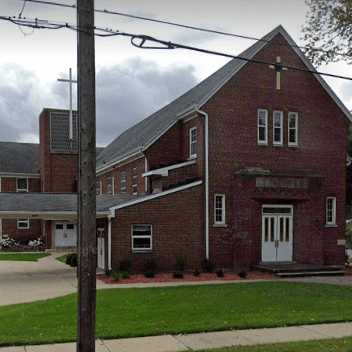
pixel 65 234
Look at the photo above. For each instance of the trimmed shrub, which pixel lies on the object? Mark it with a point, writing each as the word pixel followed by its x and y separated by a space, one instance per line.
pixel 242 274
pixel 150 265
pixel 125 275
pixel 196 272
pixel 149 274
pixel 125 265
pixel 115 275
pixel 180 264
pixel 220 273
pixel 207 266
pixel 72 260
pixel 178 274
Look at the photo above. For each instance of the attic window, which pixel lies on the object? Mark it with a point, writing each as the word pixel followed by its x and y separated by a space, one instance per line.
pixel 193 142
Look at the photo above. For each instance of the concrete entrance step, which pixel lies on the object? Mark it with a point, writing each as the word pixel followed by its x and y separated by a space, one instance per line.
pixel 295 269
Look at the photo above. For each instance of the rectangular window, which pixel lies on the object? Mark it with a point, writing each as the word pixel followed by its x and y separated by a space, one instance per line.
pixel 330 211
pixel 98 186
pixel 193 142
pixel 262 126
pixel 123 182
pixel 110 186
pixel 22 185
pixel 278 128
pixel 22 224
pixel 219 209
pixel 292 129
pixel 141 238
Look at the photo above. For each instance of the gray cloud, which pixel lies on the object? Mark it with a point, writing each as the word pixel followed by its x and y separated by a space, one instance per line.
pixel 126 94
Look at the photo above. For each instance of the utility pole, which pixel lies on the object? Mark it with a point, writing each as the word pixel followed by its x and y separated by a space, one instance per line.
pixel 87 247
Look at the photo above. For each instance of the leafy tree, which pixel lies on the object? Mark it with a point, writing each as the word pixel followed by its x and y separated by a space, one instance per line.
pixel 328 31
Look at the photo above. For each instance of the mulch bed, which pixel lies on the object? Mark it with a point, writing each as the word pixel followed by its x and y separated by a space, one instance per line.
pixel 167 277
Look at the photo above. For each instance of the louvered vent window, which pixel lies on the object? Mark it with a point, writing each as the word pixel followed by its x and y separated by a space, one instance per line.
pixel 60 133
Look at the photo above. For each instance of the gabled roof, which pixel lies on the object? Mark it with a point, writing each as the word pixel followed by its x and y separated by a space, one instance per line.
pixel 19 158
pixel 138 137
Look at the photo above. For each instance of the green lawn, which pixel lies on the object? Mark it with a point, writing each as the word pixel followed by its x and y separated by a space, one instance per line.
pixel 22 256
pixel 154 311
pixel 338 345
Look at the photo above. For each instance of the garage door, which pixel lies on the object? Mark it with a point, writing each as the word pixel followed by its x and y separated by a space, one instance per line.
pixel 65 234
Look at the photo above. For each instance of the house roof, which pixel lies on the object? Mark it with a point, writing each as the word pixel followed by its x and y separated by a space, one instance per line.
pixel 34 203
pixel 19 158
pixel 141 135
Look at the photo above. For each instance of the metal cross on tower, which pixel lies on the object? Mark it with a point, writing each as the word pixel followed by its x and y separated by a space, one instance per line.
pixel 278 67
pixel 70 81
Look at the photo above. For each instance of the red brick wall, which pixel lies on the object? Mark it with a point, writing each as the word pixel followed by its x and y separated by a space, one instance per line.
pixel 233 145
pixel 132 167
pixel 177 230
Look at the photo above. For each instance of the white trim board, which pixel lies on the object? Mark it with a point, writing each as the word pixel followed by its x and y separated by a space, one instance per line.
pixel 18 175
pixel 154 196
pixel 164 171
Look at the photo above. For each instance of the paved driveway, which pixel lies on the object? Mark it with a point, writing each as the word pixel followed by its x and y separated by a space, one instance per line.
pixel 30 281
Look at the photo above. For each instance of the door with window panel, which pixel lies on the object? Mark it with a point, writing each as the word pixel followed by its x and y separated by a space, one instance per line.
pixel 277 234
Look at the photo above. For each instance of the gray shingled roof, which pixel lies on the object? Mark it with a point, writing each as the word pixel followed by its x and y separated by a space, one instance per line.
pixel 20 158
pixel 140 135
pixel 55 202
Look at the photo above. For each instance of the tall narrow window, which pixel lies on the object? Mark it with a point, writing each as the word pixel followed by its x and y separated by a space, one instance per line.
pixel 141 238
pixel 22 185
pixel 330 211
pixel 193 142
pixel 110 187
pixel 123 182
pixel 262 126
pixel 219 209
pixel 278 128
pixel 292 129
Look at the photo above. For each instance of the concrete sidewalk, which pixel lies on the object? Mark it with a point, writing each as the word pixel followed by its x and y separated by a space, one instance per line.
pixel 194 342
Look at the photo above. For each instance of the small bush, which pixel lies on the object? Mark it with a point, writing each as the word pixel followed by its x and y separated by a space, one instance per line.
pixel 220 273
pixel 72 260
pixel 207 266
pixel 178 275
pixel 125 275
pixel 196 272
pixel 149 274
pixel 115 275
pixel 125 265
pixel 150 265
pixel 243 274
pixel 180 264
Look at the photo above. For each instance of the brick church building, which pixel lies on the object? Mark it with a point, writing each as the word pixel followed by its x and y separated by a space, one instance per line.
pixel 247 167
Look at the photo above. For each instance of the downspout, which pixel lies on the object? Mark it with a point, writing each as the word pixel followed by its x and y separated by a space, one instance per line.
pixel 109 243
pixel 206 156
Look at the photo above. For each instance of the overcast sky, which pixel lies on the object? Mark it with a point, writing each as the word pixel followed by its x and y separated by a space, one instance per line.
pixel 131 83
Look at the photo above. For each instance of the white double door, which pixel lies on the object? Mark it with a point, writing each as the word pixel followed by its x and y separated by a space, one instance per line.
pixel 277 234
pixel 100 249
pixel 65 234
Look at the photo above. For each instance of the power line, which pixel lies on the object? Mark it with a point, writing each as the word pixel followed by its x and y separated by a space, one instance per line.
pixel 22 9
pixel 184 26
pixel 139 41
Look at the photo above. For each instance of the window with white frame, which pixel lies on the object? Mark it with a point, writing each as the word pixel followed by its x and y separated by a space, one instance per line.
pixel 219 209
pixel 330 211
pixel 262 126
pixel 98 187
pixel 141 238
pixel 292 128
pixel 22 224
pixel 278 119
pixel 123 182
pixel 22 184
pixel 193 142
pixel 110 187
pixel 135 184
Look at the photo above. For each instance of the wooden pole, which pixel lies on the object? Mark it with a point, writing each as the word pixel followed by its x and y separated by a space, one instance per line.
pixel 87 174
